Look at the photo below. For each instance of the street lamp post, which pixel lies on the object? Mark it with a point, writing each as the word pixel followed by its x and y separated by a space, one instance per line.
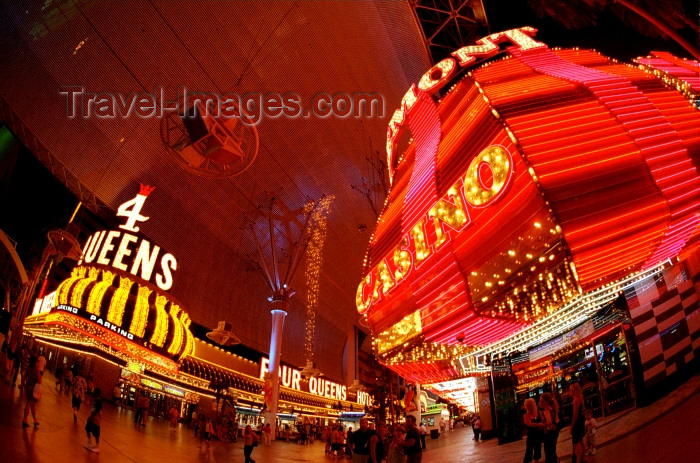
pixel 281 293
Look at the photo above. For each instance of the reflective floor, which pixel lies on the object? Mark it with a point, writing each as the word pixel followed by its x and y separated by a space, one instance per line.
pixel 666 431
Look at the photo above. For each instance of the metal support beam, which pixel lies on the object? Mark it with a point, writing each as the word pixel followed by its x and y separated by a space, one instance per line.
pixel 449 24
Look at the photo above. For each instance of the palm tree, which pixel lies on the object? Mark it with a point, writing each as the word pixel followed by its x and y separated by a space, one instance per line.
pixel 220 387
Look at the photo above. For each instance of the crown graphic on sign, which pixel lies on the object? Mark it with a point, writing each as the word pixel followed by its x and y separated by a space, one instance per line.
pixel 146 189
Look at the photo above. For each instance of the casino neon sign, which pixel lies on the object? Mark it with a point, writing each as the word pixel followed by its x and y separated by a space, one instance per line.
pixel 291 378
pixel 487 178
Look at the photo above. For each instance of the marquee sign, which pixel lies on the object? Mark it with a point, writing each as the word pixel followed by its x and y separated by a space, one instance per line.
pixel 291 377
pixel 119 288
pixel 129 252
pixel 534 177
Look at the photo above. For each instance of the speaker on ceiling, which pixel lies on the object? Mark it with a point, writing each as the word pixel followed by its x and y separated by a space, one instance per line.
pixel 194 124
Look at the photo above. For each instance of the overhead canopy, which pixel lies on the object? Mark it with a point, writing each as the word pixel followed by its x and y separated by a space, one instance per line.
pixel 299 47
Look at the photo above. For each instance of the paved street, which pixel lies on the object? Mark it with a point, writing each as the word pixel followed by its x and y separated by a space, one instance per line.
pixel 666 431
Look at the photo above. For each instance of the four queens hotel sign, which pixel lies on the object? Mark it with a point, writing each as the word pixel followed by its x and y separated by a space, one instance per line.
pixel 291 377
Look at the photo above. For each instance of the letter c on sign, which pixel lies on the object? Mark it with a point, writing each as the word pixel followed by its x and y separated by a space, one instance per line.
pixel 488 175
pixel 363 302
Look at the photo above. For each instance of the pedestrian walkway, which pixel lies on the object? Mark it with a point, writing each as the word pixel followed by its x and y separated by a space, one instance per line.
pixel 59 440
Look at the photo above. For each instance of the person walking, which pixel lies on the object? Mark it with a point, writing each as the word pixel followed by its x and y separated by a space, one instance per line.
pixel 117 395
pixel 202 428
pixel 23 365
pixel 139 409
pixel 377 450
pixel 348 439
pixel 411 444
pixel 41 363
pixel 477 428
pixel 59 378
pixel 31 379
pixel 208 431
pixel 93 426
pixel 267 435
pixel 146 409
pixel 550 417
pixel 395 453
pixel 174 417
pixel 578 421
pixel 68 379
pixel 79 387
pixel 250 440
pixel 337 438
pixel 326 436
pixel 423 434
pixel 535 432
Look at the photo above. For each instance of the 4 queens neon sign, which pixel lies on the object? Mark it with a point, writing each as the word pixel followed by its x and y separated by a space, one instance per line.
pixel 487 178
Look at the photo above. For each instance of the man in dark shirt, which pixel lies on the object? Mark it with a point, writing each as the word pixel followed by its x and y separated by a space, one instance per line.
pixel 359 442
pixel 411 444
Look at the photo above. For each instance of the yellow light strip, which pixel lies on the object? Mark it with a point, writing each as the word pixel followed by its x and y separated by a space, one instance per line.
pixel 97 293
pixel 80 286
pixel 161 329
pixel 141 309
pixel 64 288
pixel 115 314
pixel 176 343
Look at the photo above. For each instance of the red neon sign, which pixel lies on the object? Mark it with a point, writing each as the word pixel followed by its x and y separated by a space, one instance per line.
pixel 600 183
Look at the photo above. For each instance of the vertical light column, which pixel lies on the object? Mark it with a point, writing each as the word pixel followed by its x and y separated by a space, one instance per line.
pixel 278 313
pixel 352 355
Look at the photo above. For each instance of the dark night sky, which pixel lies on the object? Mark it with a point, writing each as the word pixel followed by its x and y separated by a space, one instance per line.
pixel 610 36
pixel 32 203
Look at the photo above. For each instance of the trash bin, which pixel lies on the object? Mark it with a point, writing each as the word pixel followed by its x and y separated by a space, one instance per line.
pixel 434 433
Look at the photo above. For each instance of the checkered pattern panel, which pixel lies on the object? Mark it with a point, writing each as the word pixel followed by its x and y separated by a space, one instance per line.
pixel 666 318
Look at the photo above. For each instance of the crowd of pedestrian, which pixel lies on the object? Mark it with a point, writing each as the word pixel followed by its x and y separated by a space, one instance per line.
pixel 398 443
pixel 223 429
pixel 24 367
pixel 543 423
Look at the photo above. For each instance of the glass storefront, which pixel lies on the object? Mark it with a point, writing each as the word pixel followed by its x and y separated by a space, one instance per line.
pixel 601 364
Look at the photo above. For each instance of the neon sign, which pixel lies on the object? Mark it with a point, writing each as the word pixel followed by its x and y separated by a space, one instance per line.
pixel 364 398
pixel 129 252
pixel 107 294
pixel 488 176
pixel 291 378
pixel 440 74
